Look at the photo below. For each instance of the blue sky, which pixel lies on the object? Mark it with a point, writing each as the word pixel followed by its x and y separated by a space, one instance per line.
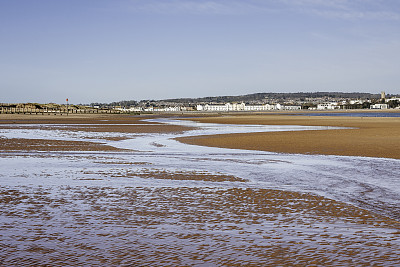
pixel 104 50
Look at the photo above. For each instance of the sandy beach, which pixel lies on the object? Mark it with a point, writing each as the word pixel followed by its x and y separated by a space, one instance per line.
pixel 76 202
pixel 368 136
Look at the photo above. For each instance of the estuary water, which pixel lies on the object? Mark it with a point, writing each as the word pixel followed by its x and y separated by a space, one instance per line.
pixel 86 201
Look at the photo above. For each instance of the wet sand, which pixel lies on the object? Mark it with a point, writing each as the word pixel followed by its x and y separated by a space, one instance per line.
pixel 18 144
pixel 93 224
pixel 94 123
pixel 189 227
pixel 370 136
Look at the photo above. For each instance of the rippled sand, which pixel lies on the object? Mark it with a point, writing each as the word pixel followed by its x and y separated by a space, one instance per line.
pixel 189 226
pixel 66 202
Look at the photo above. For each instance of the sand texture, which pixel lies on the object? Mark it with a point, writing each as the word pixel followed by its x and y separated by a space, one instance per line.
pixel 74 226
pixel 68 199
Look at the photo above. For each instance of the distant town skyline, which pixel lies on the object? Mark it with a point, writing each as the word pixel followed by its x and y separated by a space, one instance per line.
pixel 104 51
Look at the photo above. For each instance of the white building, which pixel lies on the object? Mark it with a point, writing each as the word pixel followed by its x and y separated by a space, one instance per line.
pixel 357 101
pixel 131 109
pixel 259 107
pixel 208 107
pixel 291 107
pixel 328 105
pixel 379 106
pixel 392 99
pixel 224 107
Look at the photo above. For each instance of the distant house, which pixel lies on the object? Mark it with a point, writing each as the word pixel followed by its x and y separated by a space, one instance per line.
pixel 291 107
pixel 131 109
pixel 259 107
pixel 379 106
pixel 167 109
pixel 213 107
pixel 328 105
pixel 392 99
pixel 224 107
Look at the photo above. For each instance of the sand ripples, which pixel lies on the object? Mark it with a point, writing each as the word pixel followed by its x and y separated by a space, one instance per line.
pixel 171 204
pixel 189 226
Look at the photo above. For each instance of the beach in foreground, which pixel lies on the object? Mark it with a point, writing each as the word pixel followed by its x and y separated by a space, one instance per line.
pixel 115 190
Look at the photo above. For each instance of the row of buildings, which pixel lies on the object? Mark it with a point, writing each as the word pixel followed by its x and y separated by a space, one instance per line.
pixel 335 105
pixel 213 107
pixel 384 104
pixel 289 104
pixel 244 107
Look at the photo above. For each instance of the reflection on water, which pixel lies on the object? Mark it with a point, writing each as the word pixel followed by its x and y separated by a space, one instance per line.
pixel 177 204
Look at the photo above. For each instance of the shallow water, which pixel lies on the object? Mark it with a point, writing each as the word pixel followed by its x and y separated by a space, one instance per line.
pixel 168 203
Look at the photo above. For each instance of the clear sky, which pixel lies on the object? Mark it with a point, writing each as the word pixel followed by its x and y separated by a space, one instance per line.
pixel 111 50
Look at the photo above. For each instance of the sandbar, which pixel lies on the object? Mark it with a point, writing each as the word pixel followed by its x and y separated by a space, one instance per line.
pixel 365 136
